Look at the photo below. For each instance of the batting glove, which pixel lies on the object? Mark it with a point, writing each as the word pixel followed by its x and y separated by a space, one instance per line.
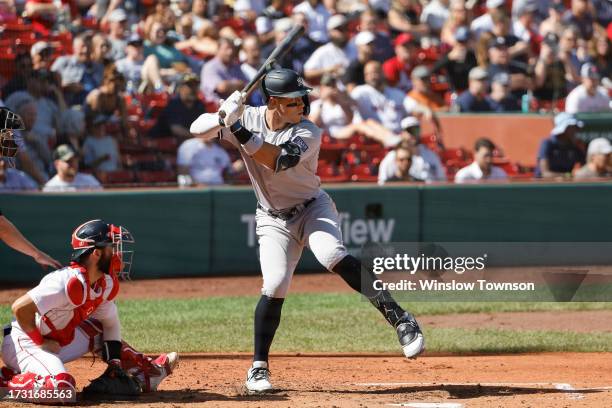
pixel 232 108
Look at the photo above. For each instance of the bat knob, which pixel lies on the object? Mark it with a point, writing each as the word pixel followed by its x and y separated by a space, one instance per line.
pixel 222 114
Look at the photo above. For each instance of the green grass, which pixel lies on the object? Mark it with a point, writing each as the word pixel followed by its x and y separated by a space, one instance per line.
pixel 330 323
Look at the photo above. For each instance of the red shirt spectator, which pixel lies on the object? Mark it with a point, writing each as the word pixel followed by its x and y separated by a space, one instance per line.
pixel 397 70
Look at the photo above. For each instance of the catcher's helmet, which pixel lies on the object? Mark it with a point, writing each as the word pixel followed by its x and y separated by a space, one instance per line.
pixel 9 122
pixel 285 83
pixel 99 234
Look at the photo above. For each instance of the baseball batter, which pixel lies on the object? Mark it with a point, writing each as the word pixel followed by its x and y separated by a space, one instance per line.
pixel 72 312
pixel 280 148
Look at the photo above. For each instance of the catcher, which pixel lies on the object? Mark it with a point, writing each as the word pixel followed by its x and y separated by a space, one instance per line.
pixel 71 312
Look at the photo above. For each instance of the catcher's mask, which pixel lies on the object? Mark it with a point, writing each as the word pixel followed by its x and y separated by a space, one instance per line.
pixel 99 234
pixel 9 122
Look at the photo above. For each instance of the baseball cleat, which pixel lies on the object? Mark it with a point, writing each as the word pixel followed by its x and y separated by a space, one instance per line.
pixel 258 379
pixel 166 363
pixel 410 336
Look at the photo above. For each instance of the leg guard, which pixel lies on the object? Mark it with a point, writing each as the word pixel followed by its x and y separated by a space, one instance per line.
pixel 147 371
pixel 362 280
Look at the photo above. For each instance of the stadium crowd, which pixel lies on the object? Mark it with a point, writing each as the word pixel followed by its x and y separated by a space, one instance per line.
pixel 110 87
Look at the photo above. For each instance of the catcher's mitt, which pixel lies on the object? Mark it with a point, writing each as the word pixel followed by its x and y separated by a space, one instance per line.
pixel 114 382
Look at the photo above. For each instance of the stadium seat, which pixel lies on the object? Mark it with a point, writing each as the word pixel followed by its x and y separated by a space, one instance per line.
pixel 164 145
pixel 363 173
pixel 161 176
pixel 116 177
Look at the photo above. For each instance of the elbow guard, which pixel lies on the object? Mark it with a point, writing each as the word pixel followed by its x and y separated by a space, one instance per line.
pixel 288 157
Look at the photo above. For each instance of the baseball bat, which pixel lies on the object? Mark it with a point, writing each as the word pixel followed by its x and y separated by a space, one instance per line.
pixel 278 52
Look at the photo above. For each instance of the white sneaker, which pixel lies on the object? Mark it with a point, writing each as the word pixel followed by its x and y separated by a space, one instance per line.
pixel 410 336
pixel 166 363
pixel 258 379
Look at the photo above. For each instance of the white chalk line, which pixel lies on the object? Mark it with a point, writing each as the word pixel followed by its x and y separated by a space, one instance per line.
pixel 486 384
pixel 428 405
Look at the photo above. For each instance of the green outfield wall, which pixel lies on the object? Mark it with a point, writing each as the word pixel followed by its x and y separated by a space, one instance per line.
pixel 212 231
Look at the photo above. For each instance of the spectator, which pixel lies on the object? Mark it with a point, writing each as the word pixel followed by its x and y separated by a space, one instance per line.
pixel 524 27
pixel 501 99
pixel 554 22
pixel 23 71
pixel 264 24
pixel 33 156
pixel 458 18
pixel 100 48
pixel 43 15
pixel 601 54
pixel 382 46
pixel 117 33
pixel 163 15
pixel 333 112
pixel 559 153
pixel 568 42
pixel 80 75
pixel 426 164
pixel 422 96
pixel 365 52
pixel 484 23
pixel 499 61
pixel 404 17
pixel 68 177
pixel 403 162
pixel 330 58
pixel 162 57
pixel 482 167
pixel 108 99
pixel 580 17
pixel 203 161
pixel 206 41
pixel 518 49
pixel 540 9
pixel 589 96
pixel 100 150
pixel 175 119
pixel 377 101
pixel 434 14
pixel 131 67
pixel 252 62
pixel 223 74
pixel 199 14
pixel 42 55
pixel 184 28
pixel 598 163
pixel 398 69
pixel 318 16
pixel 458 62
pixel 248 10
pixel 475 98
pixel 552 74
pixel 302 49
pixel 14 180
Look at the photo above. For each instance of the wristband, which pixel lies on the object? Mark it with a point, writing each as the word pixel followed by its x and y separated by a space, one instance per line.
pixel 243 135
pixel 36 337
pixel 254 144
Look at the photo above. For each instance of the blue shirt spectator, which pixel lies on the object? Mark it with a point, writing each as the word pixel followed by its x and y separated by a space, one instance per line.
pixel 559 153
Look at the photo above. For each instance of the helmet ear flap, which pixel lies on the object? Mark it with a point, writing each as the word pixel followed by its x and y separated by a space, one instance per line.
pixel 306 101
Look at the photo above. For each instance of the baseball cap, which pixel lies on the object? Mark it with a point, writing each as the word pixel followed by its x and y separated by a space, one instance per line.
pixel 189 78
pixel 601 145
pixel 421 72
pixel 491 4
pixel 403 39
pixel 117 15
pixel 462 34
pixel 478 74
pixel 589 70
pixel 364 37
pixel 564 120
pixel 528 7
pixel 409 121
pixel 134 39
pixel 336 21
pixel 64 153
pixel 498 42
pixel 39 47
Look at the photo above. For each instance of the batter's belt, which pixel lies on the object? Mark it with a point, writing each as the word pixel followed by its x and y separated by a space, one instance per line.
pixel 287 213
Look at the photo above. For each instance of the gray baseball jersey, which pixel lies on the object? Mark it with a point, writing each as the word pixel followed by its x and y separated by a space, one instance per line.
pixel 317 226
pixel 293 186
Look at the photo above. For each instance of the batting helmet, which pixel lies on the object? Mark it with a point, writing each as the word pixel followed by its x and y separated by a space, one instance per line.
pixel 99 234
pixel 9 122
pixel 285 83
